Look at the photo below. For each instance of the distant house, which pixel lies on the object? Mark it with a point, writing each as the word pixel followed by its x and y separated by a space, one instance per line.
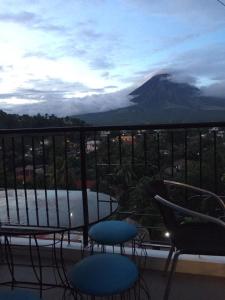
pixel 104 133
pixel 128 139
pixel 92 146
pixel 90 184
pixel 27 172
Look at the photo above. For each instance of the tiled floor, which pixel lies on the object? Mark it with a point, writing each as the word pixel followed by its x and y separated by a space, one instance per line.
pixel 184 287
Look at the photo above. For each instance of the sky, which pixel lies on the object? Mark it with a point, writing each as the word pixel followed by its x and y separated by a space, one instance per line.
pixel 78 56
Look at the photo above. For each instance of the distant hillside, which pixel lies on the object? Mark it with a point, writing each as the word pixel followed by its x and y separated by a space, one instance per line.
pixel 26 121
pixel 160 100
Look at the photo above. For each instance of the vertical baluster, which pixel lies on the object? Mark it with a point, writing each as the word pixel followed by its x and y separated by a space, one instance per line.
pixel 185 156
pixel 120 150
pixel 34 178
pixel 44 174
pixel 55 180
pixel 96 174
pixel 158 151
pixel 5 177
pixel 132 149
pixel 14 179
pixel 109 167
pixel 200 159
pixel 67 179
pixel 172 153
pixel 215 160
pixel 84 186
pixel 145 151
pixel 24 179
pixel 108 153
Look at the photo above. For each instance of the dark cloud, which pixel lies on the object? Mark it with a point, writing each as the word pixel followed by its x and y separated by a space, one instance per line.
pixel 41 54
pixel 5 68
pixel 111 87
pixel 100 90
pixel 32 20
pixel 215 89
pixel 189 9
pixel 25 18
pixel 91 34
pixel 87 23
pixel 71 48
pixel 207 61
pixel 55 86
pixel 105 74
pixel 101 63
pixel 51 89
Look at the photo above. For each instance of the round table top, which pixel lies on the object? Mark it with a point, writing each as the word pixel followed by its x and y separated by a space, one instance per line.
pixel 62 209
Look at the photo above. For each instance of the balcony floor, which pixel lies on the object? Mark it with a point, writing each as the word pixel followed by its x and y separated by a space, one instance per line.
pixel 185 287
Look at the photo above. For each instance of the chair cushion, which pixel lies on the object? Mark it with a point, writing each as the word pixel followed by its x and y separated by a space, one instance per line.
pixel 103 274
pixel 17 295
pixel 200 238
pixel 112 232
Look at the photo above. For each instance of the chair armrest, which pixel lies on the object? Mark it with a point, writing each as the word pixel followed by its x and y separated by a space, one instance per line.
pixel 197 189
pixel 189 212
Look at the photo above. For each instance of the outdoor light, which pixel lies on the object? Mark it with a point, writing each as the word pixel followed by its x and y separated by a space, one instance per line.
pixel 167 234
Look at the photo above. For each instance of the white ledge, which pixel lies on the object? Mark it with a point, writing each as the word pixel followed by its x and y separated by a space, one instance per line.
pixel 150 259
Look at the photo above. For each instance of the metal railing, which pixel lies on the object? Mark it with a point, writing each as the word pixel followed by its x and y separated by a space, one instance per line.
pixel 112 159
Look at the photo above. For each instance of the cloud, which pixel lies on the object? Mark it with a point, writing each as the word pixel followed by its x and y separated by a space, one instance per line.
pixel 31 20
pixel 73 106
pixel 55 96
pixel 101 63
pixel 215 89
pixel 111 87
pixel 207 61
pixel 51 89
pixel 72 48
pixel 41 54
pixel 57 85
pixel 90 34
pixel 26 18
pixel 188 8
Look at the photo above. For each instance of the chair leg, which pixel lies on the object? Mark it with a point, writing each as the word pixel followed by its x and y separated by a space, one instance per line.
pixel 173 268
pixel 172 249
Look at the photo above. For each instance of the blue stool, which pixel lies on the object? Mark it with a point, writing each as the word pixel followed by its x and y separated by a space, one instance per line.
pixel 112 233
pixel 103 275
pixel 17 295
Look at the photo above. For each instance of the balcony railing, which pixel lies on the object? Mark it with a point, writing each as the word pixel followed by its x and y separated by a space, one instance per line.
pixel 115 160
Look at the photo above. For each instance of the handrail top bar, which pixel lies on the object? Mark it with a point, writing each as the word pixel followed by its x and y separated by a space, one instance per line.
pixel 116 127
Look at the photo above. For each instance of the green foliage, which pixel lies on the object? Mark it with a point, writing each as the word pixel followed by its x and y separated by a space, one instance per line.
pixel 36 121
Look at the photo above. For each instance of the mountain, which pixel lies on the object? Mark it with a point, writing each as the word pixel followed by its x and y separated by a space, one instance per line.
pixel 161 100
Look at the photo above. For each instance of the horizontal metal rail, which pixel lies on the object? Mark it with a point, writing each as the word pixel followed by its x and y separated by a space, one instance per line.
pixel 114 128
pixel 114 160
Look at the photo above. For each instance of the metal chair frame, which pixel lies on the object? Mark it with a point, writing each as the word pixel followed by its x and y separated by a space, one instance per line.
pixel 186 211
pixel 196 189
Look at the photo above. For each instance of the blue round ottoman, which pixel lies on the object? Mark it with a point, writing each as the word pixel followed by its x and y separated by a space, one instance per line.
pixel 112 232
pixel 103 275
pixel 17 295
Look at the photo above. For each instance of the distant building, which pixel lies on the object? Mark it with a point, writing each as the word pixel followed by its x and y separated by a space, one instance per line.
pixel 92 145
pixel 27 172
pixel 90 184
